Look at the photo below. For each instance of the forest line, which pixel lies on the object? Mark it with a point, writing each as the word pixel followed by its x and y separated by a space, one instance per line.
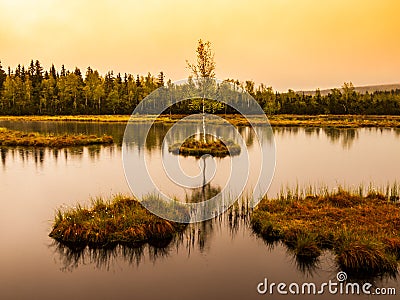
pixel 35 91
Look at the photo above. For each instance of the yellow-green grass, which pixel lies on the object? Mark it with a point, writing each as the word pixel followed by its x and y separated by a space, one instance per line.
pixel 34 139
pixel 197 147
pixel 337 121
pixel 363 232
pixel 119 221
pixel 84 118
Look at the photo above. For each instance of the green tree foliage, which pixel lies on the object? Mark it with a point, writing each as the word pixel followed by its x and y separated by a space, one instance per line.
pixel 205 64
pixel 204 73
pixel 3 76
pixel 33 90
pixel 160 81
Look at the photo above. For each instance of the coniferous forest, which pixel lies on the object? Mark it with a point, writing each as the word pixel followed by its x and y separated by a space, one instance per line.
pixel 35 91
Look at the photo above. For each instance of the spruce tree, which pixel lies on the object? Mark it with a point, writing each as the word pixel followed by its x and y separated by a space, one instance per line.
pixel 160 81
pixel 3 76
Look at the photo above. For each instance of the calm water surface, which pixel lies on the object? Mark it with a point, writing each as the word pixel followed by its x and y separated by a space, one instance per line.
pixel 218 259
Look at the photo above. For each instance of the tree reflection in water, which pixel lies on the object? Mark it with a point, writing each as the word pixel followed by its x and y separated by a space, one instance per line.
pixel 39 154
pixel 345 137
pixel 196 237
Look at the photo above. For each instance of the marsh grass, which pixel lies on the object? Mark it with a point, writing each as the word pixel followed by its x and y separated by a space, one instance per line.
pixel 34 139
pixel 119 221
pixel 361 226
pixel 336 121
pixel 195 236
pixel 197 147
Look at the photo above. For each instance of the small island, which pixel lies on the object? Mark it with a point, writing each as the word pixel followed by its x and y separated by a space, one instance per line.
pixel 122 220
pixel 199 147
pixel 34 139
pixel 361 231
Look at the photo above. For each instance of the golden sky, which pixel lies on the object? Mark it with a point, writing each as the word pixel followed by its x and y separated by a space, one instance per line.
pixel 297 44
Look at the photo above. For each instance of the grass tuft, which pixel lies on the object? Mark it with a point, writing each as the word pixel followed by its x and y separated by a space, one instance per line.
pixel 361 255
pixel 121 220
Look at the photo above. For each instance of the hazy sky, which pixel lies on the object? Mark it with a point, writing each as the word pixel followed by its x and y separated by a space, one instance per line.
pixel 298 44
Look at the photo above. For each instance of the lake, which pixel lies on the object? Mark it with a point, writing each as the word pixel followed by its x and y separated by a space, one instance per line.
pixel 217 259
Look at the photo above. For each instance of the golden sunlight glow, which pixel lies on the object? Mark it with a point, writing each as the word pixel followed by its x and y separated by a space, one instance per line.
pixel 299 44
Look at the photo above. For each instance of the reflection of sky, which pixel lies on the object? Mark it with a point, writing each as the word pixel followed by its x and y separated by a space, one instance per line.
pixel 230 172
pixel 313 156
pixel 351 158
pixel 33 185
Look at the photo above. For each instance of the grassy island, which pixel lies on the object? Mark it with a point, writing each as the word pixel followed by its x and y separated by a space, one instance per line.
pixel 122 220
pixel 363 232
pixel 197 147
pixel 34 139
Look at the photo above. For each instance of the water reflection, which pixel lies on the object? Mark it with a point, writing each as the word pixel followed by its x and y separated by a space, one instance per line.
pixel 196 237
pixel 3 154
pixel 344 136
pixel 71 258
pixel 39 155
pixel 153 140
pixel 306 266
pixel 223 248
pixel 203 193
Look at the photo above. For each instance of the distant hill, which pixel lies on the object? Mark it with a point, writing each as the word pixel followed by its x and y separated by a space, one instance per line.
pixel 361 89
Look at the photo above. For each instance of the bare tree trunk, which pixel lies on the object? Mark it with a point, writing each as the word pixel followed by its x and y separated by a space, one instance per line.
pixel 203 192
pixel 170 113
pixel 203 117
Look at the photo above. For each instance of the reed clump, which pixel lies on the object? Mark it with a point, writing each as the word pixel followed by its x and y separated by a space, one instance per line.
pixel 34 139
pixel 197 147
pixel 122 220
pixel 362 231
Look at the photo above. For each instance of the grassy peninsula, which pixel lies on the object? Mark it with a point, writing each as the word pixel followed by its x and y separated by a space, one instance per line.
pixel 363 232
pixel 34 139
pixel 336 121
